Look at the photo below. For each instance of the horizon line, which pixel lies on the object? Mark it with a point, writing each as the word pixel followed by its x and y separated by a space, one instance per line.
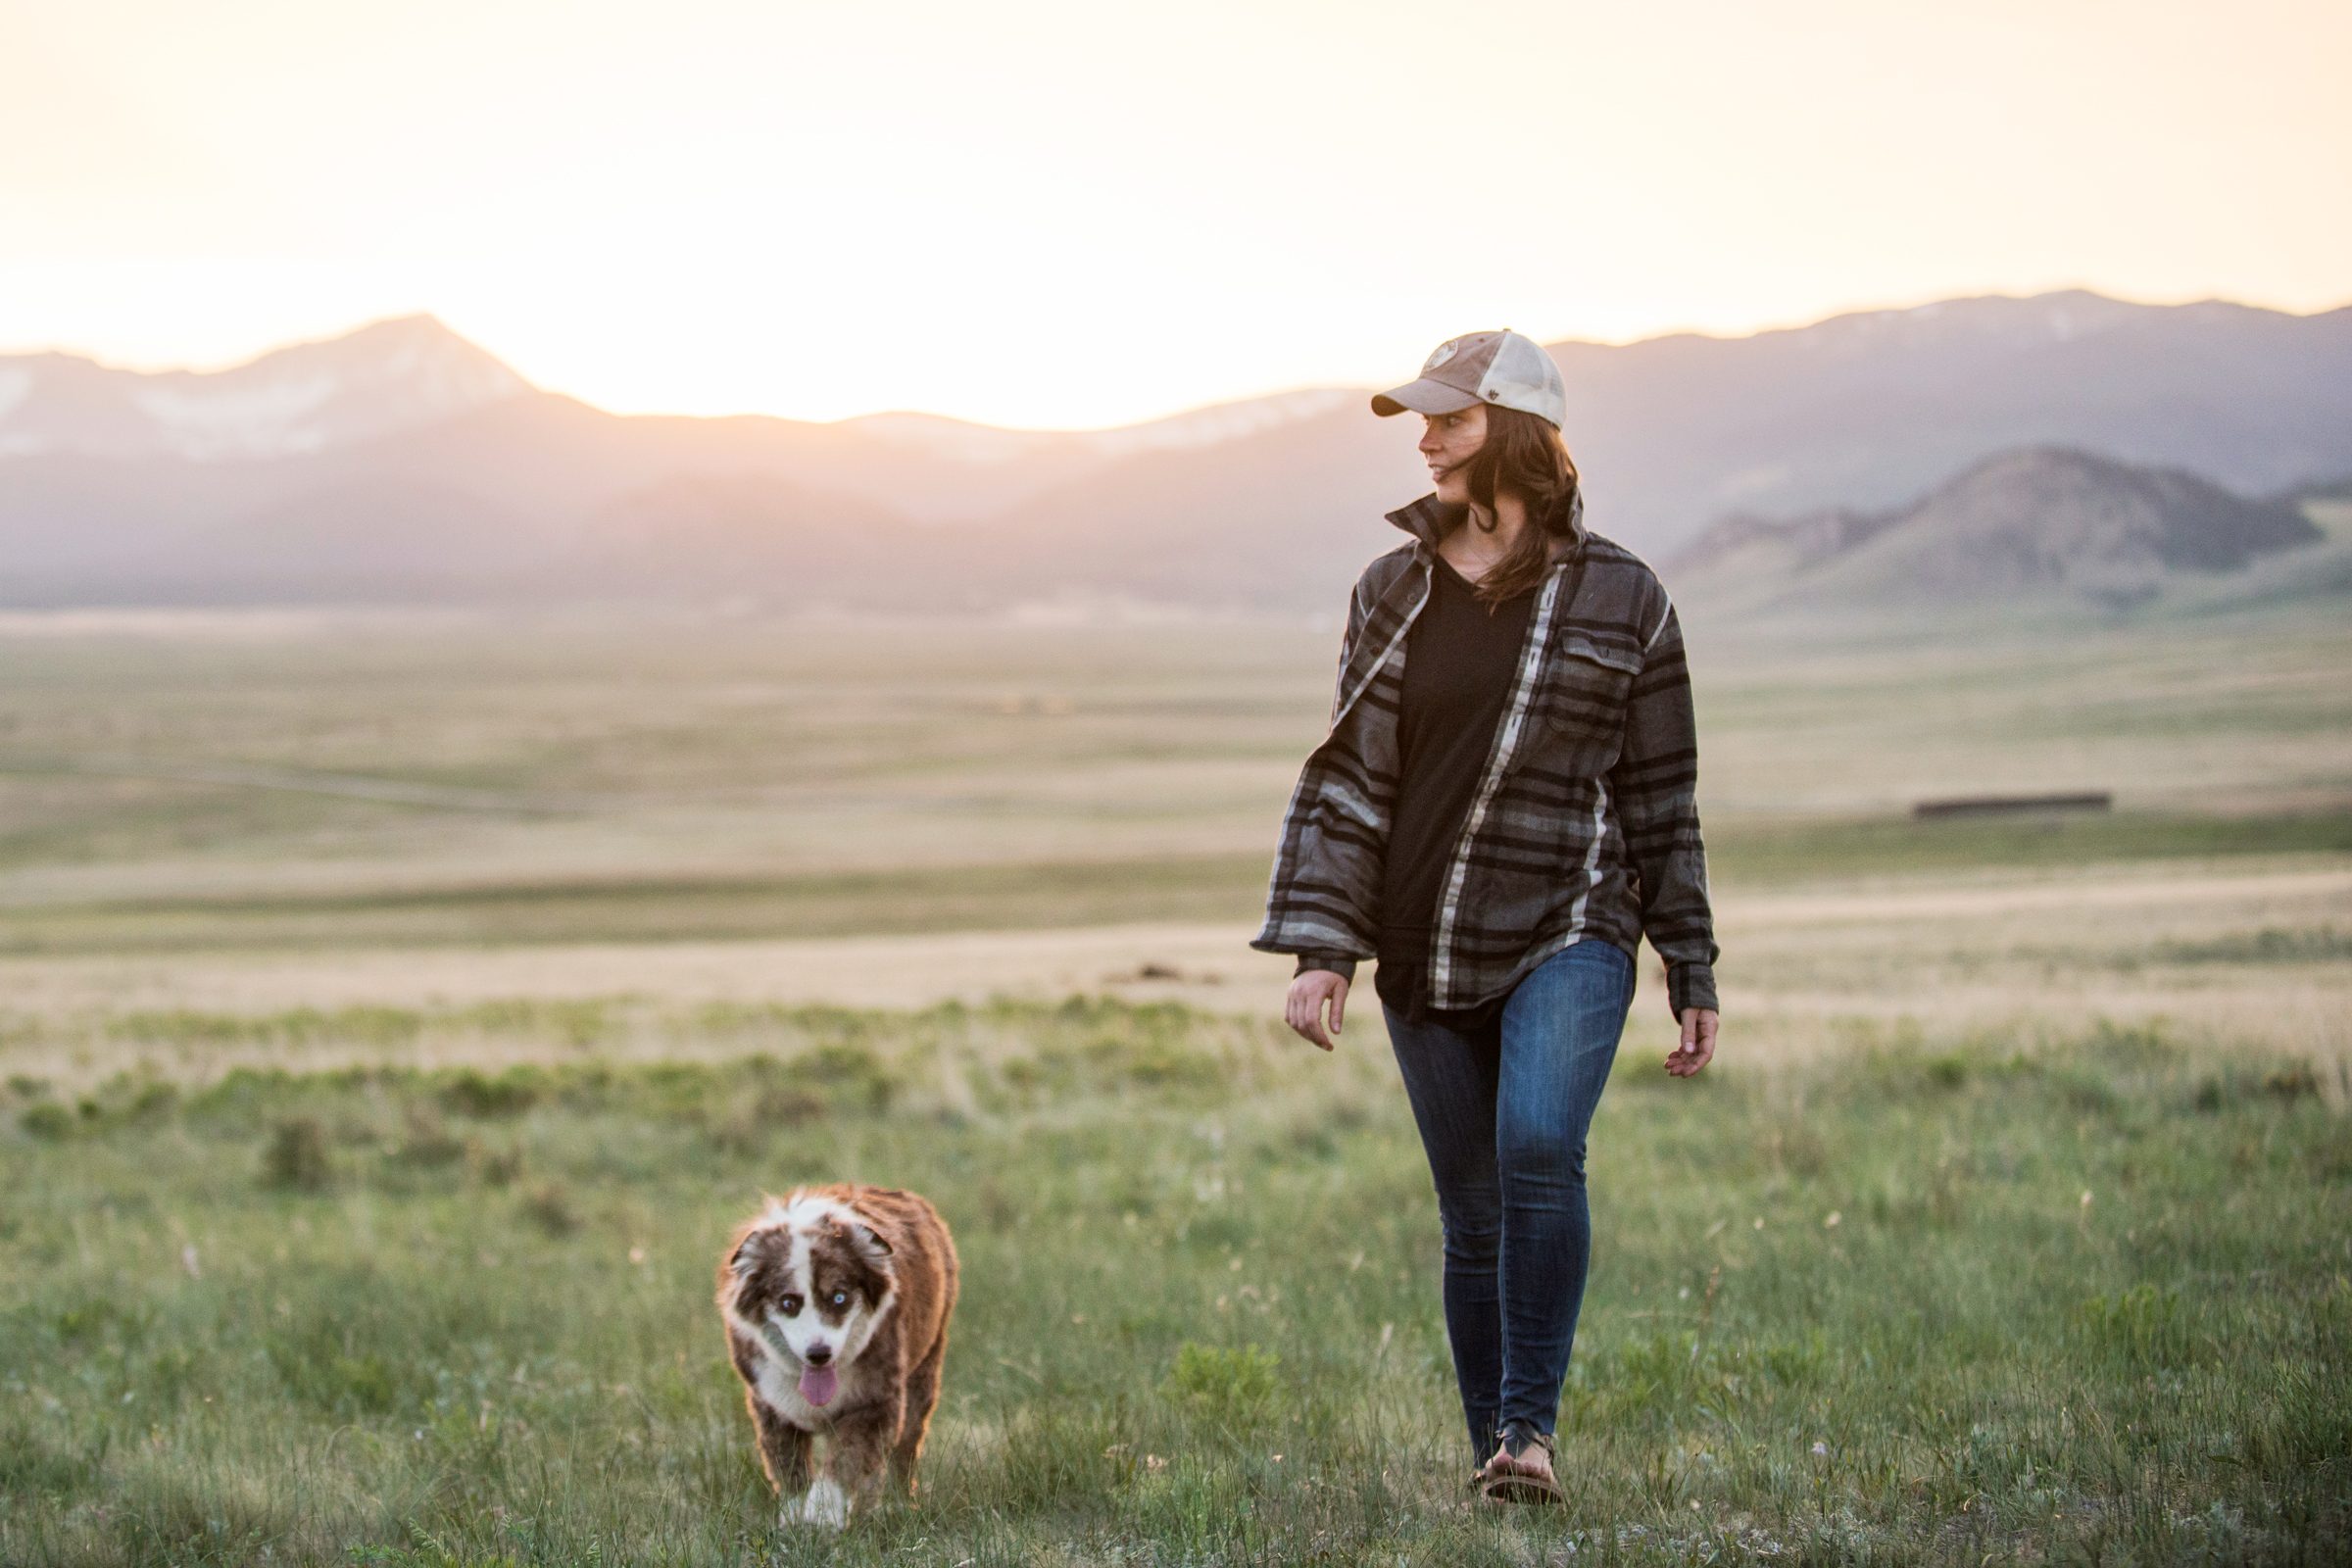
pixel 1766 329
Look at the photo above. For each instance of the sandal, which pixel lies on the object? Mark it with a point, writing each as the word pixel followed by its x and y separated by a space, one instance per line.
pixel 1512 1485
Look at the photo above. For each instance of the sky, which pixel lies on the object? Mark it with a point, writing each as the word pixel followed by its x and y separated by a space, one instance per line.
pixel 1084 213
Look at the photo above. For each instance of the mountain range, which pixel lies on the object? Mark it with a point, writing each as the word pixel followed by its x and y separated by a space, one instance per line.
pixel 403 462
pixel 2053 525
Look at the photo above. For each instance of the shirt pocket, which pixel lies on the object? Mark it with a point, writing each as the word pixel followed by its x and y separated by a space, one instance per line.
pixel 1579 708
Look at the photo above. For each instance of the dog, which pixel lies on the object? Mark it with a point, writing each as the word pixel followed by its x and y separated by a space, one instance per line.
pixel 836 1301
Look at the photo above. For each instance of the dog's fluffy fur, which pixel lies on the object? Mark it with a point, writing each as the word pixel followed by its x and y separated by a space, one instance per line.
pixel 836 1301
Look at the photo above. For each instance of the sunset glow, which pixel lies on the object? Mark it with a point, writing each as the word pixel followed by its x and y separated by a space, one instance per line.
pixel 1077 215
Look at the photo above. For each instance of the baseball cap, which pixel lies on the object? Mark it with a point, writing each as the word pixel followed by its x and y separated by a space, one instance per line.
pixel 1501 367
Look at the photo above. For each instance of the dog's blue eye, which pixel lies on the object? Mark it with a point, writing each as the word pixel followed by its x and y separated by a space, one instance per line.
pixel 841 1298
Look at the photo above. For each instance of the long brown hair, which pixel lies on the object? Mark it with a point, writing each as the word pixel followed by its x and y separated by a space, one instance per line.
pixel 1524 455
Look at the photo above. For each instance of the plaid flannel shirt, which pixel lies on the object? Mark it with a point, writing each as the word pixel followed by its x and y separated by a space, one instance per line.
pixel 1585 822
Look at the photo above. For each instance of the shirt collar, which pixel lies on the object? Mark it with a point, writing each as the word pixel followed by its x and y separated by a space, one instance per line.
pixel 1429 520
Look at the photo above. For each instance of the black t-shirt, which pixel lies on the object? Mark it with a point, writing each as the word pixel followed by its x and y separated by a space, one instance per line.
pixel 1459 662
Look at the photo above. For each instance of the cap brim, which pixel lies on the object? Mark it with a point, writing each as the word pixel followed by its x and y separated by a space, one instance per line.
pixel 1422 397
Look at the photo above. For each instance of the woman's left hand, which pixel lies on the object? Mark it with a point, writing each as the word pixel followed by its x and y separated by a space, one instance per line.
pixel 1698 1041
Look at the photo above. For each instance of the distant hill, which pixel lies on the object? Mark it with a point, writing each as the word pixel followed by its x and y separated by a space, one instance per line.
pixel 2036 523
pixel 388 376
pixel 1202 427
pixel 402 462
pixel 2336 489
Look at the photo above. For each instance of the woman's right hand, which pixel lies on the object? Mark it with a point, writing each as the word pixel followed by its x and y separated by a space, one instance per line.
pixel 1302 1011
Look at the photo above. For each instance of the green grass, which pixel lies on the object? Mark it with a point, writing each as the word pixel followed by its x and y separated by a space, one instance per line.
pixel 1947 1302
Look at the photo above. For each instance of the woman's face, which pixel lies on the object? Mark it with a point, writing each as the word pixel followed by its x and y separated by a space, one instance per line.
pixel 1448 441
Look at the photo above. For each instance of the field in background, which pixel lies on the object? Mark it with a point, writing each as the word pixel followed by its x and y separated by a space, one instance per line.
pixel 395 1009
pixel 210 821
pixel 279 778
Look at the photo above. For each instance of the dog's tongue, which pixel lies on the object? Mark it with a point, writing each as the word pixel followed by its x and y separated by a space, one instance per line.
pixel 818 1385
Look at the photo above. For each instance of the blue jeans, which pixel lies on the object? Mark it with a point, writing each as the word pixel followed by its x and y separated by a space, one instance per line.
pixel 1503 1113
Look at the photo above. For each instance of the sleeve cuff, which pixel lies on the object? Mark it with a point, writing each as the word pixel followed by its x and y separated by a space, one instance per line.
pixel 1690 985
pixel 1344 968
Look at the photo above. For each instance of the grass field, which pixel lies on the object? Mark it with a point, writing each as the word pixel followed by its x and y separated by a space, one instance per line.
pixel 2081 1301
pixel 395 1011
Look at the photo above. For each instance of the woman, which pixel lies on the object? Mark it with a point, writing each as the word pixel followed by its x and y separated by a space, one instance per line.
pixel 1503 806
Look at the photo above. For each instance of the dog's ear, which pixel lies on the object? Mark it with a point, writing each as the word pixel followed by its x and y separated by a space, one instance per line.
pixel 870 1246
pixel 745 1257
pixel 863 1236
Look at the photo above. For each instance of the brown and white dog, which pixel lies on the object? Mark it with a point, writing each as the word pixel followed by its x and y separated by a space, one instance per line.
pixel 836 1301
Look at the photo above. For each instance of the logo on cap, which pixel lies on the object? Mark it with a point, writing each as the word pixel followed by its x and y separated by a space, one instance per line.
pixel 1443 353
